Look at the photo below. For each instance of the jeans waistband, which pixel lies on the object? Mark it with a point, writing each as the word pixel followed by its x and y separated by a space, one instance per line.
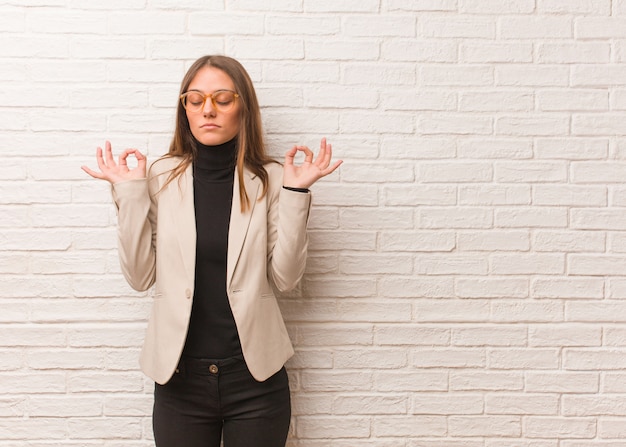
pixel 209 366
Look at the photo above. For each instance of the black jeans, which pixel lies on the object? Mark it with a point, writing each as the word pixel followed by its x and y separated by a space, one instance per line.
pixel 208 399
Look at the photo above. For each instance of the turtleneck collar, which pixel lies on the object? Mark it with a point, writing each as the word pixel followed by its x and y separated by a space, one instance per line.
pixel 215 158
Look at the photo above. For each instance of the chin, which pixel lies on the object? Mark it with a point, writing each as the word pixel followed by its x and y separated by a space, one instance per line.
pixel 212 140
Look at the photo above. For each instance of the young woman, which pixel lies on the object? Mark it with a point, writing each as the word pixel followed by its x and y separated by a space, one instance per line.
pixel 213 226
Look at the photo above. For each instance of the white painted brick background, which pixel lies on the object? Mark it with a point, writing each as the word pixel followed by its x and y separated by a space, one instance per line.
pixel 467 269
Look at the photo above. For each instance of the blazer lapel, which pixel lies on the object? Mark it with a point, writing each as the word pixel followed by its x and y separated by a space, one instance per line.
pixel 184 219
pixel 239 222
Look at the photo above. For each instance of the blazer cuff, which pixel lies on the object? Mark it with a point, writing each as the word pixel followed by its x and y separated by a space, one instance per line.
pixel 296 189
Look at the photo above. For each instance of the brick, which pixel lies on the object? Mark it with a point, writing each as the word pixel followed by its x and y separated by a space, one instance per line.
pixel 428 100
pixel 561 382
pixel 336 381
pixel 457 75
pixel 568 288
pixel 538 125
pixel 607 405
pixel 97 428
pixel 348 50
pixel 527 311
pixel 342 97
pixel 496 101
pixel 614 336
pixel 476 53
pixel 420 242
pixel 449 403
pixel 379 173
pixel 340 6
pixel 608 311
pixel 446 27
pixel 381 25
pixel 410 335
pixel 525 75
pixel 597 171
pixel 410 426
pixel 496 7
pixel 600 124
pixel 414 287
pixel 128 405
pixel 436 264
pixel 364 358
pixel 65 20
pixel 65 406
pixel 354 218
pixel 490 240
pixel 581 428
pixel 411 381
pixel 572 148
pixel 535 27
pixel 422 5
pixel 395 74
pixel 290 122
pixel 486 381
pixel 376 405
pixel 572 53
pixel 611 428
pixel 327 335
pixel 140 23
pixel 600 27
pixel 448 358
pixel 33 428
pixel 412 50
pixel 495 148
pixel 412 147
pixel 593 7
pixel 419 195
pixel 494 195
pixel 591 360
pixel 564 335
pixel 65 359
pixel 598 75
pixel 491 288
pixel 522 404
pixel 530 171
pixel 523 359
pixel 452 310
pixel 613 382
pixel 337 288
pixel 580 264
pixel 561 195
pixel 584 100
pixel 546 217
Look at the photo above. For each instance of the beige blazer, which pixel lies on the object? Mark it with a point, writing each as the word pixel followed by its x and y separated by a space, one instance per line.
pixel 266 245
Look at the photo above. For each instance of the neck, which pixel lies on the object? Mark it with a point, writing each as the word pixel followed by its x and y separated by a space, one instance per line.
pixel 215 158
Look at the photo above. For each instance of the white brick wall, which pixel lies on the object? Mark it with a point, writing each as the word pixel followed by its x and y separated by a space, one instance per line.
pixel 468 262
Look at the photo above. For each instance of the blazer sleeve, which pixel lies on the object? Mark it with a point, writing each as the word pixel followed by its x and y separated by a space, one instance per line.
pixel 288 216
pixel 136 232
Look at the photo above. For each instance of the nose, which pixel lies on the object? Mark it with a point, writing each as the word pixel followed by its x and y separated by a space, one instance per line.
pixel 208 108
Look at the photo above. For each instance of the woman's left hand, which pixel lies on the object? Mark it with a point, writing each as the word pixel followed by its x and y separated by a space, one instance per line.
pixel 309 171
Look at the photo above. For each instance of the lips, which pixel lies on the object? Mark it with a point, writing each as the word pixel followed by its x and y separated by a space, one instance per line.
pixel 210 126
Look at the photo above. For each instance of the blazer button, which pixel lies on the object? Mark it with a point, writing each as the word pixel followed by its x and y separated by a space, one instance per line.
pixel 188 293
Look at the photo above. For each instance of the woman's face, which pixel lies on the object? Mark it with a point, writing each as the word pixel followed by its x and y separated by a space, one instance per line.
pixel 210 125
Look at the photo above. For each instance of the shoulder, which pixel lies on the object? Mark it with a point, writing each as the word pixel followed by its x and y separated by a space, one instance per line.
pixel 274 170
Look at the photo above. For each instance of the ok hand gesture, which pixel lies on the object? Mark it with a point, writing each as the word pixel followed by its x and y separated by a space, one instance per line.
pixel 117 172
pixel 310 171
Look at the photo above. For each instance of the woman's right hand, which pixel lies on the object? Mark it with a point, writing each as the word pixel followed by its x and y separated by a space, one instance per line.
pixel 117 172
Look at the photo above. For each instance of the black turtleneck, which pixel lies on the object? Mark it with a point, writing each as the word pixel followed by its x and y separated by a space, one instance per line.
pixel 212 331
